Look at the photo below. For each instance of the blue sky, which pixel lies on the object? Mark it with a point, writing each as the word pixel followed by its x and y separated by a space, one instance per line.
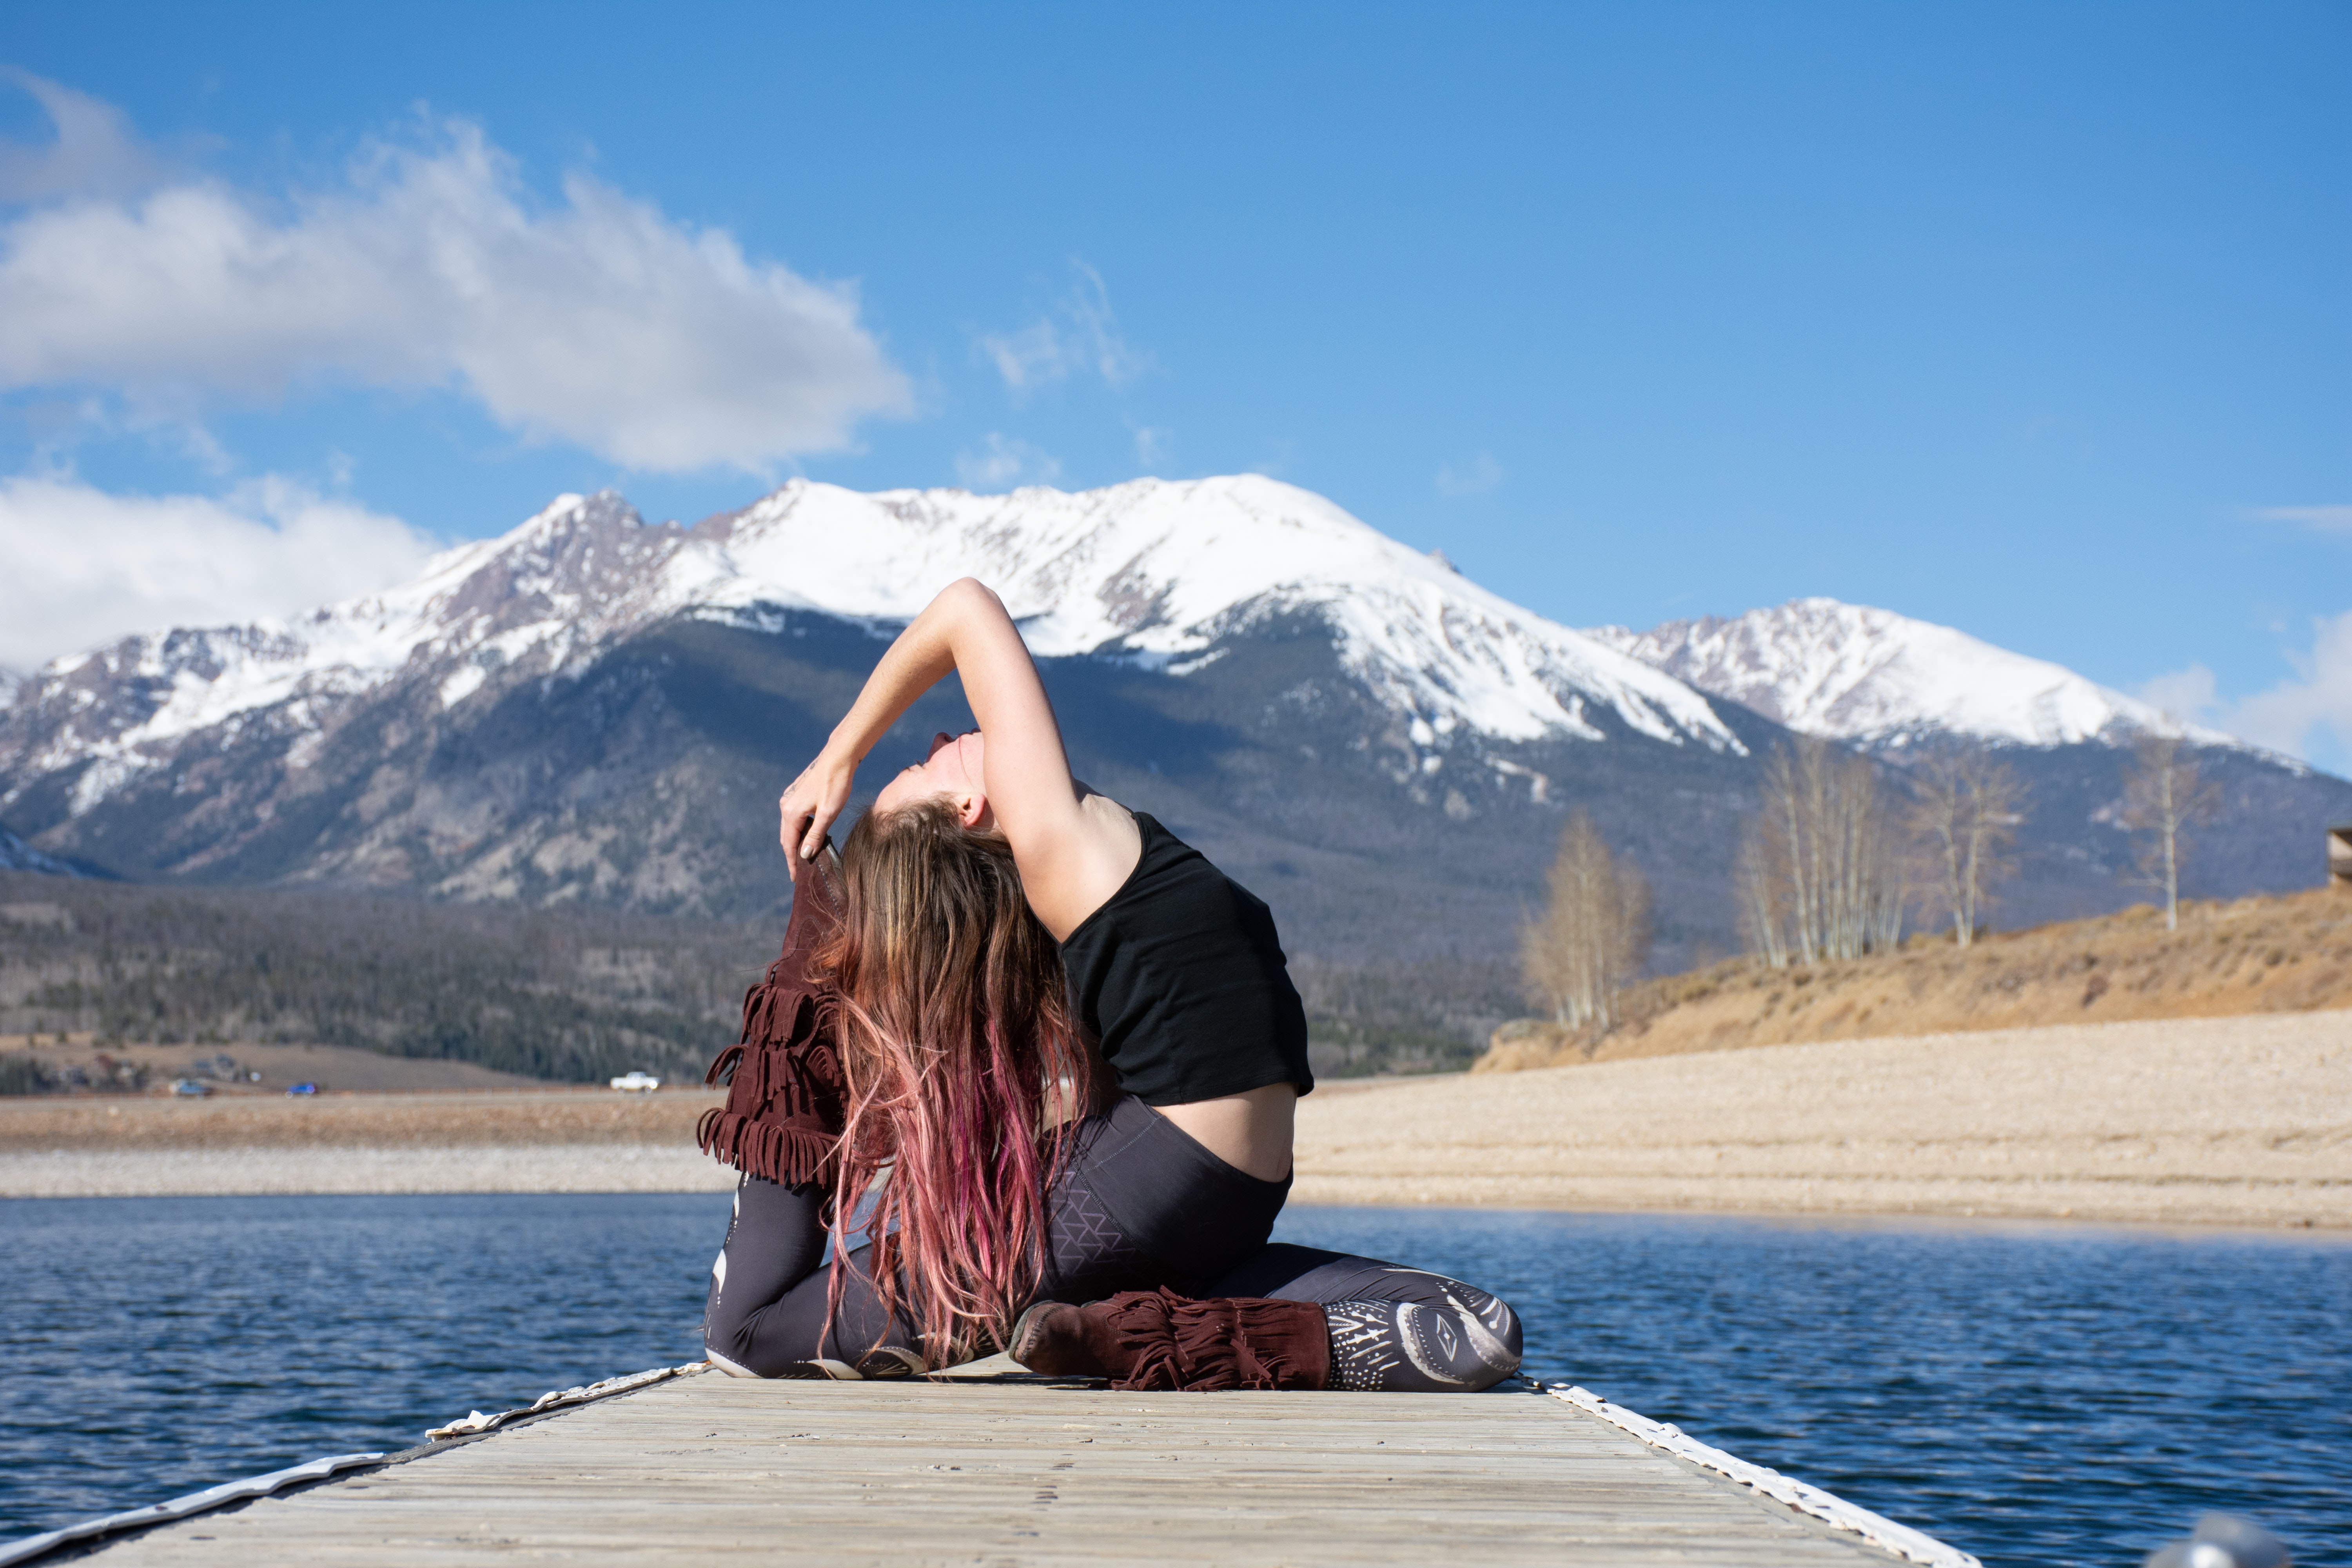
pixel 2035 320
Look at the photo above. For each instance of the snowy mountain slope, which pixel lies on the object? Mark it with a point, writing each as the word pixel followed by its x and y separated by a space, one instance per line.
pixel 1162 569
pixel 1150 570
pixel 1875 679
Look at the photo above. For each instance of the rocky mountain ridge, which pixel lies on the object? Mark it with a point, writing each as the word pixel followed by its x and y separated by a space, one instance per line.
pixel 1881 680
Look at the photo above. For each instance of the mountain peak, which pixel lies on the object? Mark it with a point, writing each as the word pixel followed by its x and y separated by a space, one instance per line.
pixel 1160 570
pixel 1874 677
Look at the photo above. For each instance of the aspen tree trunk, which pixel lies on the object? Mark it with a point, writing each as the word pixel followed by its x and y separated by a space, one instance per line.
pixel 2164 797
pixel 1823 839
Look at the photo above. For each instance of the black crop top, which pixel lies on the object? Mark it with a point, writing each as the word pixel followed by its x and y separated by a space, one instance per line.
pixel 1180 977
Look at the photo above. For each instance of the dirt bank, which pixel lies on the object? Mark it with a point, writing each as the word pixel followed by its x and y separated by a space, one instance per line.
pixel 2252 956
pixel 543 1141
pixel 475 1121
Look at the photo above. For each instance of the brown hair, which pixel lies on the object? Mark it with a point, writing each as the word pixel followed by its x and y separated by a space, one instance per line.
pixel 963 1065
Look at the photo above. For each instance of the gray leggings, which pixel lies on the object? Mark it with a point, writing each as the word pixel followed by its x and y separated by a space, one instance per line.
pixel 1138 1204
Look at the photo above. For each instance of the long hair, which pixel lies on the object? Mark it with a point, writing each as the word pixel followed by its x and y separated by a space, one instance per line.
pixel 964 1071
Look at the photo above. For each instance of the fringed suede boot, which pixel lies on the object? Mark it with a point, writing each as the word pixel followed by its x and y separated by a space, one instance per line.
pixel 1157 1339
pixel 787 1099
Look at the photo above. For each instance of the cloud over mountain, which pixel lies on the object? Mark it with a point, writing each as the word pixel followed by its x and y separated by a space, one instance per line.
pixel 598 320
pixel 2288 715
pixel 80 567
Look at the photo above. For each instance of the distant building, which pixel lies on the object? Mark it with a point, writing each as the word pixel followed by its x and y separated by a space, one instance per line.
pixel 2340 856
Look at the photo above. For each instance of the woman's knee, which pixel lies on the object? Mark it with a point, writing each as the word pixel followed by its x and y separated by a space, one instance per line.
pixel 727 1326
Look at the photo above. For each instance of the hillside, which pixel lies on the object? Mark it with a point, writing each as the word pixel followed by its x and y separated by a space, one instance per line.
pixel 2290 955
pixel 576 994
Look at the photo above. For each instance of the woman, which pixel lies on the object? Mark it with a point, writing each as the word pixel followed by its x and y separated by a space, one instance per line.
pixel 1000 942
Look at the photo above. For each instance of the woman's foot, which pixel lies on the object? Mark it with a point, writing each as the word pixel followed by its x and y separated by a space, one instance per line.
pixel 1063 1341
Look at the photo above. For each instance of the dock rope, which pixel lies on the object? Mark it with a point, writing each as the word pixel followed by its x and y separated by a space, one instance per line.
pixel 1804 1497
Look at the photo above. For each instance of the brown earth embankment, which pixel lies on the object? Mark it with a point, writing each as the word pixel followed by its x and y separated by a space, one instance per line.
pixel 2250 956
pixel 548 1140
pixel 425 1122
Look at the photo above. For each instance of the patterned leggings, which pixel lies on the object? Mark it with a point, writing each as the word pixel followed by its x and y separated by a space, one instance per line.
pixel 1138 1204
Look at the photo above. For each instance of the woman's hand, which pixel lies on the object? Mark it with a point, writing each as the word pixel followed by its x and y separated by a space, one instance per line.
pixel 810 806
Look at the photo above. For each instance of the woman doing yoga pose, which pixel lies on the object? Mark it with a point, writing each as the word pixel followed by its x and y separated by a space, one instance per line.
pixel 1043 1059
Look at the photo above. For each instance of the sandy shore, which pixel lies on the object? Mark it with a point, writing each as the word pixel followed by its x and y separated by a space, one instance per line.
pixel 2239 1121
pixel 2236 1121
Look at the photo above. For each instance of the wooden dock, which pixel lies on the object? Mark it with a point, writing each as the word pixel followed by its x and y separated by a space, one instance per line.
pixel 706 1469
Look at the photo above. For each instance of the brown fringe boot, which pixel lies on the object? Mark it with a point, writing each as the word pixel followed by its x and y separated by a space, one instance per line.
pixel 1157 1339
pixel 787 1097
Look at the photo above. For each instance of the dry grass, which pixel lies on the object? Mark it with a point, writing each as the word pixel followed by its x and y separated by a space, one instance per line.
pixel 2290 955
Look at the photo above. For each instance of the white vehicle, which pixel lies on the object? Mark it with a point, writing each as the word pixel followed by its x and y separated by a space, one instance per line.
pixel 636 1083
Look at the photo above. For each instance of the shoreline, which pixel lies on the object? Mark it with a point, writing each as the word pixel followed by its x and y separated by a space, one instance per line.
pixel 655 1170
pixel 2239 1124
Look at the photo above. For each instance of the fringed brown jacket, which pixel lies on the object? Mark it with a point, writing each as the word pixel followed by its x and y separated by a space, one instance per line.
pixel 787 1102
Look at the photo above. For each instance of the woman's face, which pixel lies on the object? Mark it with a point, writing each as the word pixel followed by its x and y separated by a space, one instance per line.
pixel 953 769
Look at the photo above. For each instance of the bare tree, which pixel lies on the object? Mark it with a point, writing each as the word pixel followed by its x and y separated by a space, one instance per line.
pixel 1964 816
pixel 1764 895
pixel 2164 797
pixel 1819 875
pixel 1594 934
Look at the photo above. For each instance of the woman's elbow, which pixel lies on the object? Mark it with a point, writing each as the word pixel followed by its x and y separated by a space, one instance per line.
pixel 969 593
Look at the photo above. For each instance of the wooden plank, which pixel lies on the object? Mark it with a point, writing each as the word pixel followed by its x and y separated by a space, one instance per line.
pixel 708 1468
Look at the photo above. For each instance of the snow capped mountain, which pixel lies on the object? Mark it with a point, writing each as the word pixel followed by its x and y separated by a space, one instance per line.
pixel 1151 571
pixel 592 709
pixel 1873 677
pixel 1161 570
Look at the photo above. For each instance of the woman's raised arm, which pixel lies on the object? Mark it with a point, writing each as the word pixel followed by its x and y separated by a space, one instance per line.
pixel 1063 850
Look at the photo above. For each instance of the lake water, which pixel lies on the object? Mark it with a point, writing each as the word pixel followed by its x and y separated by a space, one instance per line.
pixel 2030 1395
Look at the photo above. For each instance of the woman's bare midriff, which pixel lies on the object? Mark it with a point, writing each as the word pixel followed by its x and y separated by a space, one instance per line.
pixel 1252 1132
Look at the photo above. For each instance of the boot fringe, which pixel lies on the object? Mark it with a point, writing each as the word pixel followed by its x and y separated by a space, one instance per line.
pixel 787 1095
pixel 1191 1346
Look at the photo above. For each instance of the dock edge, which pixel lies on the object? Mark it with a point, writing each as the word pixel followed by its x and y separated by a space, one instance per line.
pixel 1804 1497
pixel 24 1549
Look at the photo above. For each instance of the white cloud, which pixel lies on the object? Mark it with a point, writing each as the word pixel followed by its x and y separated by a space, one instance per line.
pixel 93 153
pixel 1475 478
pixel 2185 694
pixel 2292 715
pixel 79 566
pixel 1003 462
pixel 599 321
pixel 2327 518
pixel 1082 337
pixel 1155 446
